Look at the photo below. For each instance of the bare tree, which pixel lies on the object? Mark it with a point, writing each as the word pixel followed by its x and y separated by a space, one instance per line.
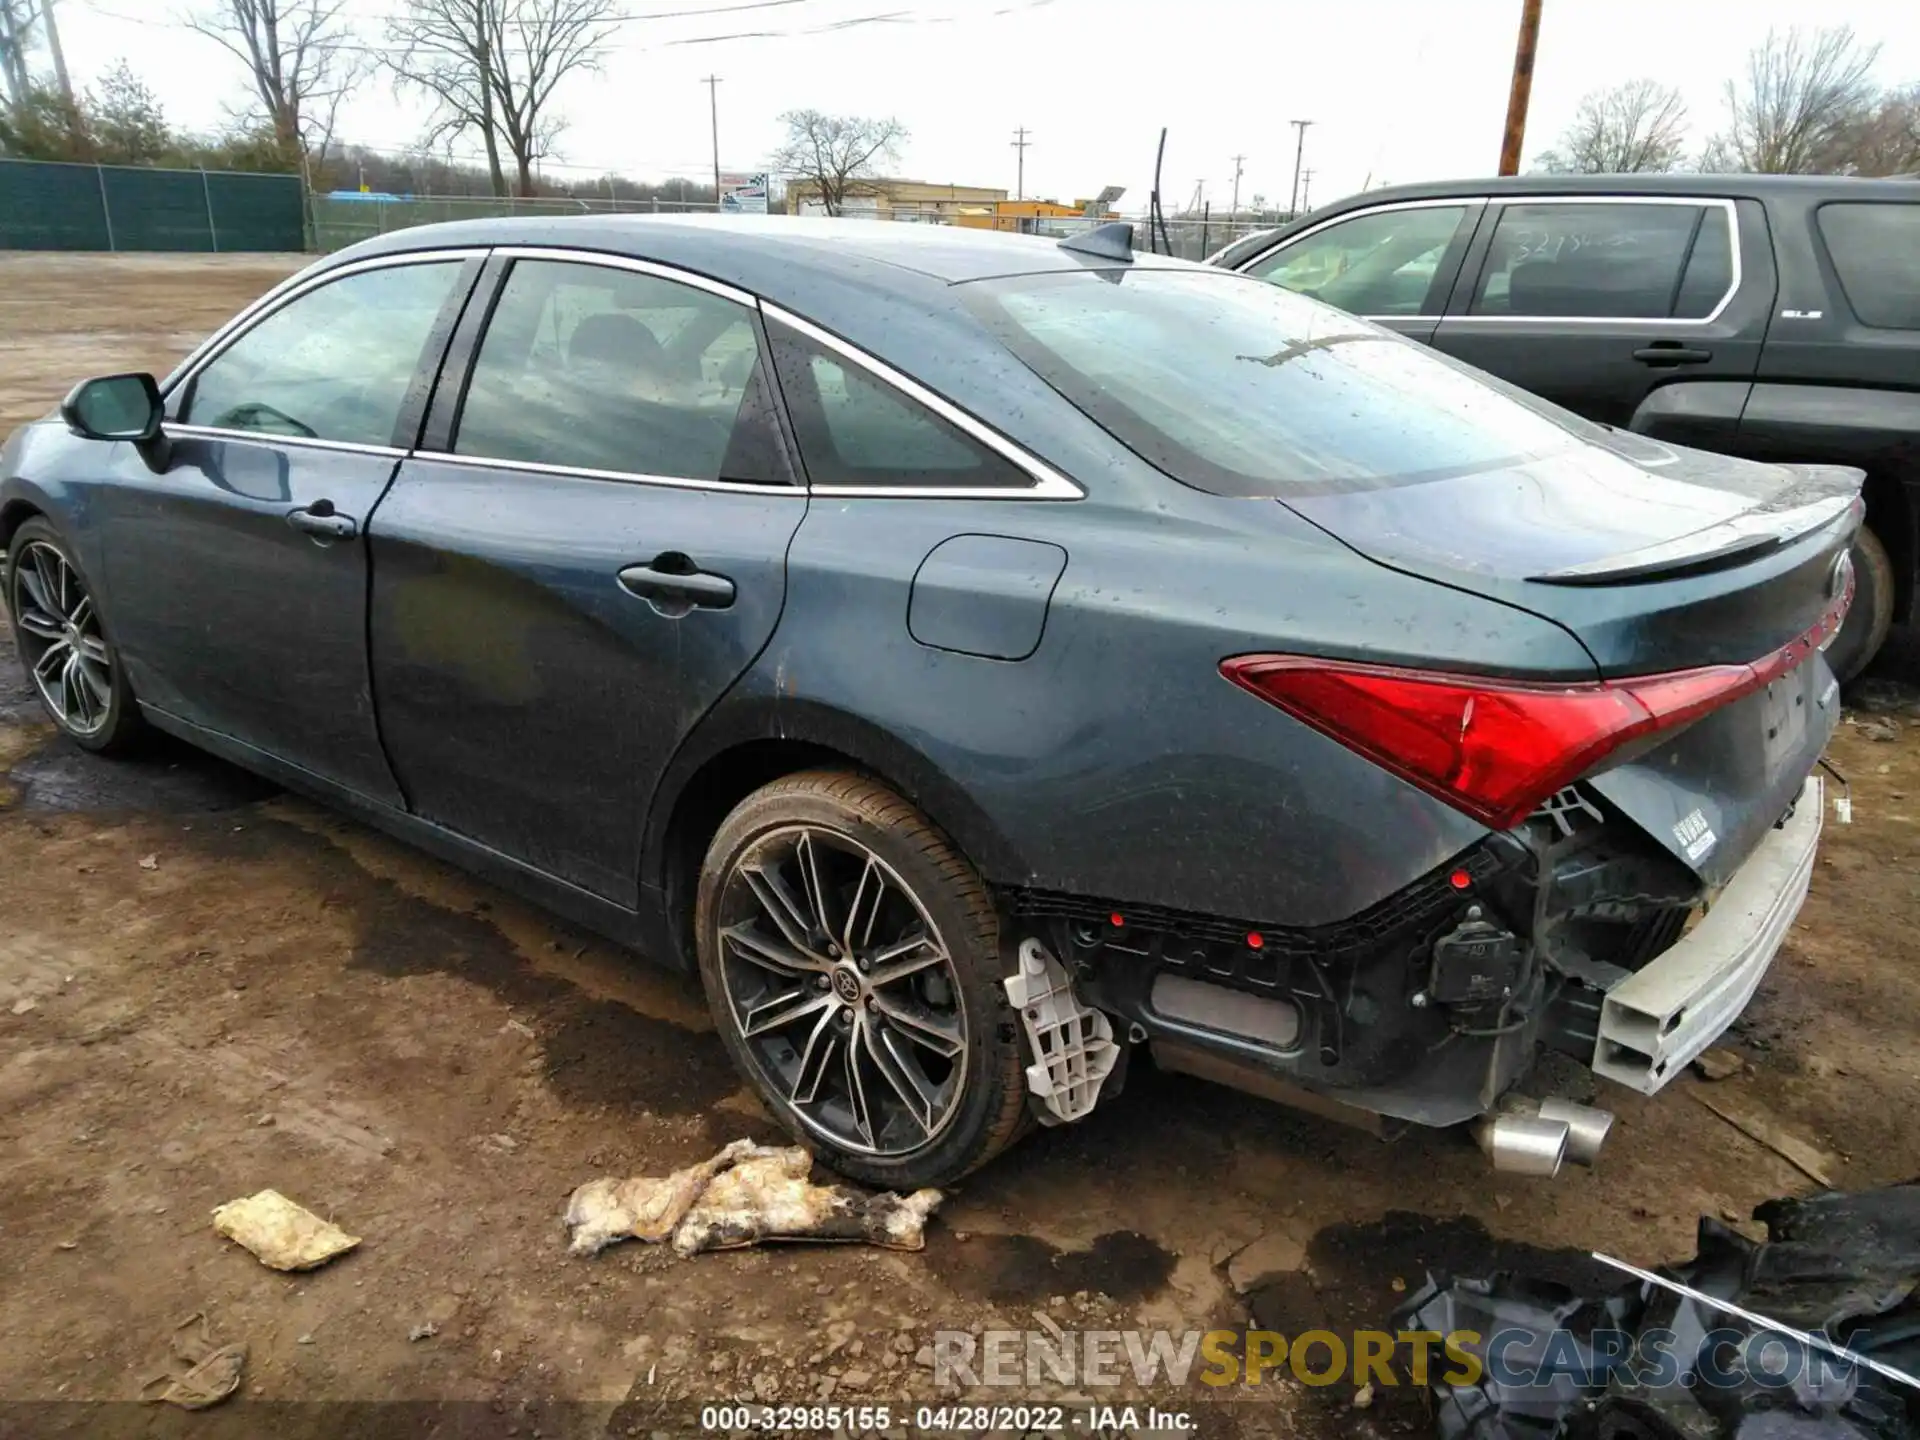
pixel 1802 94
pixel 1885 140
pixel 17 39
pixel 491 67
pixel 1638 126
pixel 295 52
pixel 835 156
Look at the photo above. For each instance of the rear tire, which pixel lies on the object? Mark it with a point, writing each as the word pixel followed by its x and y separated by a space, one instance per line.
pixel 851 959
pixel 63 644
pixel 1871 617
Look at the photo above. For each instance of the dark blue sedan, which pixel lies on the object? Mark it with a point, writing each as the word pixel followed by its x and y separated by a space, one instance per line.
pixel 983 658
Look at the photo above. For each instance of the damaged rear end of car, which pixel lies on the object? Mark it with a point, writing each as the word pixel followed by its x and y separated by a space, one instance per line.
pixel 1647 829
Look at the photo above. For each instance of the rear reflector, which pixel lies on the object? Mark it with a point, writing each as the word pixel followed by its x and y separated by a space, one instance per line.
pixel 1498 748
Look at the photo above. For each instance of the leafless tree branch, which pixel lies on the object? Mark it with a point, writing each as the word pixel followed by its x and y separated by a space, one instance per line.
pixel 1638 126
pixel 1801 96
pixel 835 155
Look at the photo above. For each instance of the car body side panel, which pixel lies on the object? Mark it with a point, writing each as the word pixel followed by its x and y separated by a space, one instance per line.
pixel 1115 760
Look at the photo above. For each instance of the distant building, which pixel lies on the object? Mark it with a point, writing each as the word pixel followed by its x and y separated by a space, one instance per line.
pixel 889 199
pixel 1035 217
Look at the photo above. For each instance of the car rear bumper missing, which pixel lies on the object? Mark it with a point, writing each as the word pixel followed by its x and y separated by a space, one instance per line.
pixel 1653 1024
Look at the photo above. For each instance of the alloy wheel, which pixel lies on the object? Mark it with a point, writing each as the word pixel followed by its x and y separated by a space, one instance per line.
pixel 59 632
pixel 843 990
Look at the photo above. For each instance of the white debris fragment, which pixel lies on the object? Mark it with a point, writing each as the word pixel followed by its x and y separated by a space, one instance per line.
pixel 281 1234
pixel 742 1196
pixel 149 862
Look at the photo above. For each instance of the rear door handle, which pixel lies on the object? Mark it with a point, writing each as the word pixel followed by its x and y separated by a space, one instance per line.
pixel 323 522
pixel 673 586
pixel 1670 353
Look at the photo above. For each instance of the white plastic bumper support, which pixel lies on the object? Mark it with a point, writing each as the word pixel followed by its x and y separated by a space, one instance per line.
pixel 1654 1023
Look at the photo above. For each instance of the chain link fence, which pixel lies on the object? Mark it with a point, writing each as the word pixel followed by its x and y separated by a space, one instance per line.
pixel 48 205
pixel 341 219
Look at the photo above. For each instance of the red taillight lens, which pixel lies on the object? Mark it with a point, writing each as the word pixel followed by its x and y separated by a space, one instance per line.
pixel 1494 749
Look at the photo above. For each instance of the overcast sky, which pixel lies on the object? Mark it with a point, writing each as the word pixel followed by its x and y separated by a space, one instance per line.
pixel 1398 90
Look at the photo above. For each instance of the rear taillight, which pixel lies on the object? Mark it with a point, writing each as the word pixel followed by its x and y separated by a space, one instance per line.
pixel 1498 748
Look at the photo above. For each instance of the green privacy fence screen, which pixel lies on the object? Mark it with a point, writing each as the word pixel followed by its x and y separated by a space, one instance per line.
pixel 49 206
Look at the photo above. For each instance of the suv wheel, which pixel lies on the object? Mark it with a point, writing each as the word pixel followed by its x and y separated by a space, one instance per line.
pixel 56 628
pixel 1871 617
pixel 851 958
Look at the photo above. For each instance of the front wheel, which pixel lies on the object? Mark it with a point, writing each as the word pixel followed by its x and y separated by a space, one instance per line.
pixel 851 958
pixel 68 657
pixel 1867 623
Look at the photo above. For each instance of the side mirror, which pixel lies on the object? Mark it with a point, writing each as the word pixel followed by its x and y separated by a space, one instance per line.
pixel 119 407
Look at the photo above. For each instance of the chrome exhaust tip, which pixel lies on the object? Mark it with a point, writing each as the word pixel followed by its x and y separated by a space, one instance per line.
pixel 1587 1128
pixel 1524 1144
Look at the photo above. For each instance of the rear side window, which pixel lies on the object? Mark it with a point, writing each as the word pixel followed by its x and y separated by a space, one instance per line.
pixel 1876 252
pixel 589 367
pixel 333 364
pixel 1379 264
pixel 855 429
pixel 1606 260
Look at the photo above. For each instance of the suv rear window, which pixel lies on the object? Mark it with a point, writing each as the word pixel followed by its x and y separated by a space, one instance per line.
pixel 1876 252
pixel 1238 387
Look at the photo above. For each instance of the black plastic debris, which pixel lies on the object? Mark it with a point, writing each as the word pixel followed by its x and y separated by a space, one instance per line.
pixel 1644 1362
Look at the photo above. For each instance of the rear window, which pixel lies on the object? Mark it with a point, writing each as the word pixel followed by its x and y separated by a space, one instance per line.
pixel 1876 253
pixel 1238 387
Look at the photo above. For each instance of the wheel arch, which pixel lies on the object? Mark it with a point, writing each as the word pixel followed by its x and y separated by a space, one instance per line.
pixel 750 743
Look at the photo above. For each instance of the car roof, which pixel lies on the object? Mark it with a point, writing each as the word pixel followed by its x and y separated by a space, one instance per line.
pixel 1716 186
pixel 759 253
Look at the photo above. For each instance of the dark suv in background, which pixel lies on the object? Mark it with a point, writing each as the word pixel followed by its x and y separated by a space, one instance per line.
pixel 1765 316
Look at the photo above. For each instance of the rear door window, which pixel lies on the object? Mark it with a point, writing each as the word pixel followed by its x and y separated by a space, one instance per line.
pixel 1876 253
pixel 590 367
pixel 1605 260
pixel 1383 263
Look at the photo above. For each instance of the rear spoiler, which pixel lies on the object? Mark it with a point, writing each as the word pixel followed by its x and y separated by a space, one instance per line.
pixel 1741 538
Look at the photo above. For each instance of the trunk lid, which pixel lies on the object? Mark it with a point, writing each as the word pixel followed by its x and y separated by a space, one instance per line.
pixel 1656 557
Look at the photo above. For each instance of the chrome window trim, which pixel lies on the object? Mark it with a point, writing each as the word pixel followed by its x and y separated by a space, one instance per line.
pixel 1507 201
pixel 1705 202
pixel 1049 483
pixel 268 437
pixel 579 472
pixel 1463 201
pixel 607 261
pixel 289 290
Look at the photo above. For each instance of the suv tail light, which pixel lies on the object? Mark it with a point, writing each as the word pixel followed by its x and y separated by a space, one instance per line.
pixel 1498 748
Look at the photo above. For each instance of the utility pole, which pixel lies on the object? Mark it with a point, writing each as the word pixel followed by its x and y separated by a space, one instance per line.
pixel 1522 93
pixel 1020 143
pixel 1306 188
pixel 1234 214
pixel 1299 149
pixel 712 82
pixel 53 49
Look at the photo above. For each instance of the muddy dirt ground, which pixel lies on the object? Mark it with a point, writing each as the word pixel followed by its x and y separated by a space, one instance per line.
pixel 208 987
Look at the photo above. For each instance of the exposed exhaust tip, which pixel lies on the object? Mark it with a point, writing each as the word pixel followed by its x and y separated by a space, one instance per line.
pixel 1587 1128
pixel 1524 1144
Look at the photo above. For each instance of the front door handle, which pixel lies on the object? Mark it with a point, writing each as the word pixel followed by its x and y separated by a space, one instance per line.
pixel 1671 353
pixel 673 585
pixel 323 522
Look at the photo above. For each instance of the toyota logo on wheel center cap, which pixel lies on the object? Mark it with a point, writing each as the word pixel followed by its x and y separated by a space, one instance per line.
pixel 846 985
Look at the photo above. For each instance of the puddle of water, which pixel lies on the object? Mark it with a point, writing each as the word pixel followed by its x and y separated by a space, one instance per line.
pixel 1013 1269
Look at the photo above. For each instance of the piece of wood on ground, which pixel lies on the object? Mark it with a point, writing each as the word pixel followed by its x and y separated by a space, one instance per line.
pixel 1752 1120
pixel 1718 1064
